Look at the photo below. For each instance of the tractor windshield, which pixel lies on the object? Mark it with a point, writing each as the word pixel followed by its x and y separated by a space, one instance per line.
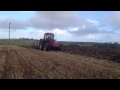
pixel 52 36
pixel 49 36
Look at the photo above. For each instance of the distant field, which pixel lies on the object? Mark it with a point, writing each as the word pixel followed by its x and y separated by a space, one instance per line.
pixel 97 50
pixel 16 42
pixel 87 44
pixel 19 42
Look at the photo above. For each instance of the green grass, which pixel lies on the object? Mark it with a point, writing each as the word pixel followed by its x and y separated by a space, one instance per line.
pixel 76 43
pixel 16 42
pixel 85 45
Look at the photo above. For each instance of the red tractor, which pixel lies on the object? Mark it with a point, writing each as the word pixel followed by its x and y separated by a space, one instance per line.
pixel 48 42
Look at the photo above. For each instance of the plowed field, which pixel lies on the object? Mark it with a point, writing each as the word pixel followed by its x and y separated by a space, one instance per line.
pixel 27 63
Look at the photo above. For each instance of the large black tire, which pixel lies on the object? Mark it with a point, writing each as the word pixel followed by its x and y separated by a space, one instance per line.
pixel 45 48
pixel 40 47
pixel 59 49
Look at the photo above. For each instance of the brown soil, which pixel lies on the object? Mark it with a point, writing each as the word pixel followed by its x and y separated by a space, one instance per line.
pixel 26 63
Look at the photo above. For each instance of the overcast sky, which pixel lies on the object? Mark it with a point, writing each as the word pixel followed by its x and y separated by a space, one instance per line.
pixel 87 26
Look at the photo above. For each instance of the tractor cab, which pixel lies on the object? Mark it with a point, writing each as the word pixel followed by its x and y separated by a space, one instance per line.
pixel 48 42
pixel 48 36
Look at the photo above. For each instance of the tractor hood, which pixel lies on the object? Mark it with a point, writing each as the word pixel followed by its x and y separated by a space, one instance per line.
pixel 55 44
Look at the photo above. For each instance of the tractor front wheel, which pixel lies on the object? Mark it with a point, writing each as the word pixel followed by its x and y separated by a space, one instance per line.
pixel 45 48
pixel 40 47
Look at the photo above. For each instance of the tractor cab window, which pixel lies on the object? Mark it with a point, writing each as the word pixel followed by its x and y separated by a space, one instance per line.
pixel 52 37
pixel 49 37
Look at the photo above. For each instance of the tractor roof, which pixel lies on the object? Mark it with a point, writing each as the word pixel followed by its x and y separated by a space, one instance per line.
pixel 49 33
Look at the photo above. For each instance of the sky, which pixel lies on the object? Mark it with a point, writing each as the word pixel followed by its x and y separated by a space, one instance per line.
pixel 78 26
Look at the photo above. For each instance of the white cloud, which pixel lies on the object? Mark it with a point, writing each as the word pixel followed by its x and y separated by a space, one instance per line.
pixel 2 33
pixel 61 33
pixel 56 19
pixel 74 29
pixel 84 26
pixel 15 24
pixel 90 36
pixel 39 33
pixel 57 32
pixel 111 20
pixel 92 21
